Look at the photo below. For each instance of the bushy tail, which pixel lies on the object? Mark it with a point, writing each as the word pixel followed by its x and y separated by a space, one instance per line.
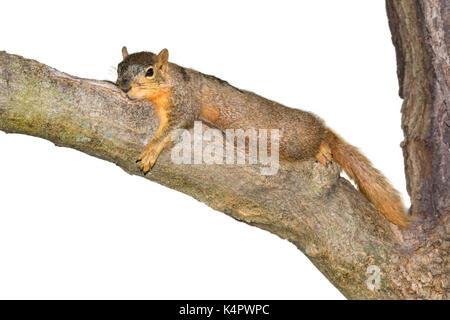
pixel 369 180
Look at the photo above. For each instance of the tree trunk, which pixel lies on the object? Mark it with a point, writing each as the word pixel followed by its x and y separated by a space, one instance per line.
pixel 421 34
pixel 310 205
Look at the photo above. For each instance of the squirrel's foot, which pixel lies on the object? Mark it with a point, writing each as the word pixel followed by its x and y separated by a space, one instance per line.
pixel 324 155
pixel 151 153
pixel 148 159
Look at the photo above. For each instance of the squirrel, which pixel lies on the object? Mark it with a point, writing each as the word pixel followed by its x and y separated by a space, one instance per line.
pixel 181 96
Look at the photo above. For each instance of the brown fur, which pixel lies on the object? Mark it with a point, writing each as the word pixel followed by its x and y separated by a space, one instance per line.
pixel 182 96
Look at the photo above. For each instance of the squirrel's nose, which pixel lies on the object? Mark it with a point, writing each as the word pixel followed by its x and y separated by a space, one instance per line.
pixel 125 89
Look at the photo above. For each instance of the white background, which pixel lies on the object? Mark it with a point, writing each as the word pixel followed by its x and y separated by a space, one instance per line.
pixel 73 226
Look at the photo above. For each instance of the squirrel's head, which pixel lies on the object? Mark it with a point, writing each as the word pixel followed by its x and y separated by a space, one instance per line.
pixel 142 75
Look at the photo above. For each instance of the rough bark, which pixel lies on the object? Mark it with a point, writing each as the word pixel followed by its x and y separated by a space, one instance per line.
pixel 421 36
pixel 306 203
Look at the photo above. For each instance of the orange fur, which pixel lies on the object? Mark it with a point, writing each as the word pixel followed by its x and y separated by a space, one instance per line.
pixel 369 180
pixel 324 155
pixel 209 113
pixel 148 157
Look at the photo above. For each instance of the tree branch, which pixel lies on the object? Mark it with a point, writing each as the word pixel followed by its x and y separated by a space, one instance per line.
pixel 310 205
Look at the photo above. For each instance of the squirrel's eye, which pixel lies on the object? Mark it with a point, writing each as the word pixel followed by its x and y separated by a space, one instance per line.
pixel 149 72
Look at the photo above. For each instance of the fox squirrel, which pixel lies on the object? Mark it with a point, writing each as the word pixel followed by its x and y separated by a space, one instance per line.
pixel 181 96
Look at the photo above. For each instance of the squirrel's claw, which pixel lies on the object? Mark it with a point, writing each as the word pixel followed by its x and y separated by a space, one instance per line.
pixel 324 156
pixel 146 167
pixel 147 161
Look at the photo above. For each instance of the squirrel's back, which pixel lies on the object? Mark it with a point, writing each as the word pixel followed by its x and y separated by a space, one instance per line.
pixel 227 107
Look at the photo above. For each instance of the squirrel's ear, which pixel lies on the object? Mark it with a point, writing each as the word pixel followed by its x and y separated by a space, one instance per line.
pixel 124 52
pixel 163 58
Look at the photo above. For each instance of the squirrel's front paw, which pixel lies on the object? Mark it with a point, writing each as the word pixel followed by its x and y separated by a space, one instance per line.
pixel 147 159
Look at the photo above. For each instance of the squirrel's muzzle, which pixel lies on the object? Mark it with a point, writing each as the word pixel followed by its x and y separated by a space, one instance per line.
pixel 124 84
pixel 125 88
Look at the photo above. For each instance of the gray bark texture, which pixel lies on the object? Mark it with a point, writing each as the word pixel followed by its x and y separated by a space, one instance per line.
pixel 308 204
